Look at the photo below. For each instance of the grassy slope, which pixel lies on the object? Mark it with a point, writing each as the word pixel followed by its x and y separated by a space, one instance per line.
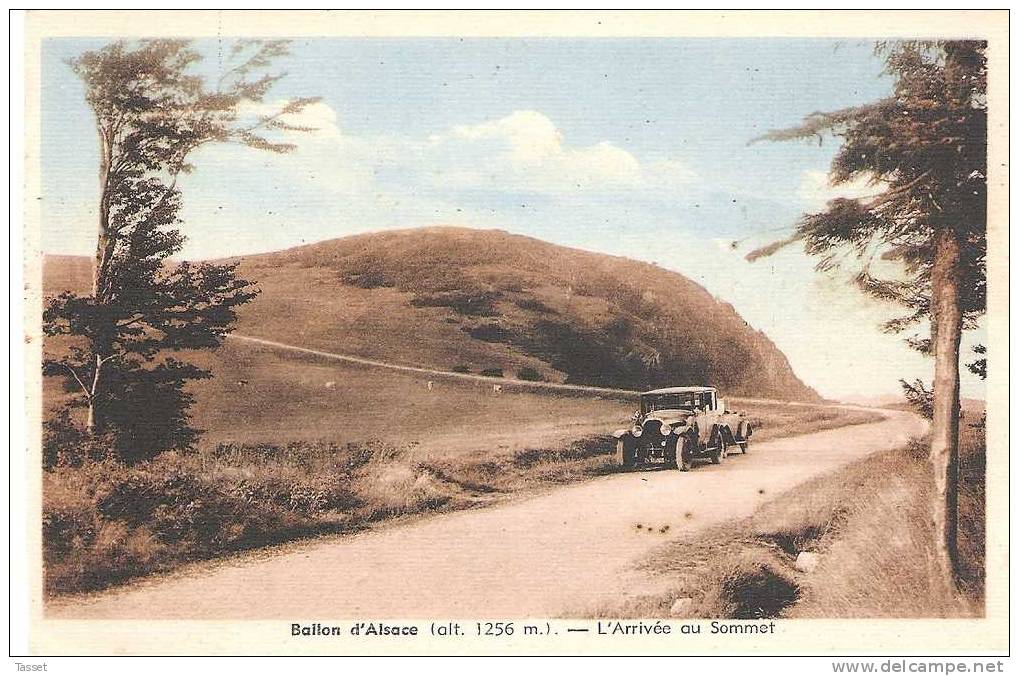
pixel 310 297
pixel 263 395
pixel 267 395
pixel 870 524
pixel 610 306
pixel 448 297
pixel 271 396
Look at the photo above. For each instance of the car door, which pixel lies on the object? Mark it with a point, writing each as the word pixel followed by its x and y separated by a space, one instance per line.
pixel 711 416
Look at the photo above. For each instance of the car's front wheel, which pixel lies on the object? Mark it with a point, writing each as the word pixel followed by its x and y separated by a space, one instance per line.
pixel 670 452
pixel 686 455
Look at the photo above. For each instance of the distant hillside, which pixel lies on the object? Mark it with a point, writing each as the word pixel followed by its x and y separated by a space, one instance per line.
pixel 477 300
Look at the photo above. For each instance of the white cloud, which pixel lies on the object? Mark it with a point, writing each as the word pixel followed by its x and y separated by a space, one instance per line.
pixel 670 172
pixel 526 151
pixel 336 182
pixel 317 116
pixel 324 157
pixel 530 136
pixel 523 151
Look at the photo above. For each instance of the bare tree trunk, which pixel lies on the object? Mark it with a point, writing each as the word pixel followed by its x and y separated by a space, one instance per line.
pixel 91 426
pixel 104 241
pixel 947 317
pixel 94 423
pixel 104 250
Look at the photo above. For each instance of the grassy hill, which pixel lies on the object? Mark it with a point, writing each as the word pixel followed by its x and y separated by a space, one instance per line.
pixel 456 298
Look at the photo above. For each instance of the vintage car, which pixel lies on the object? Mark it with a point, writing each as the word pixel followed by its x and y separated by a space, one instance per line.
pixel 675 425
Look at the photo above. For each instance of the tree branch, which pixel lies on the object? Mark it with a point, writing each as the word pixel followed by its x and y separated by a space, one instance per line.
pixel 81 384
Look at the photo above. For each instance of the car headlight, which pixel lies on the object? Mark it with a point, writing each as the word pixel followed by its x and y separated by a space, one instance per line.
pixel 666 429
pixel 636 430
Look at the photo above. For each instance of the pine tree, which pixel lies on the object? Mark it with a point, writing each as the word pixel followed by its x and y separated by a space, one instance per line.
pixel 924 150
pixel 151 112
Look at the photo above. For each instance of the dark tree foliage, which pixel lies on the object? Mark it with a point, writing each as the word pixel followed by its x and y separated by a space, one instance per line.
pixel 978 366
pixel 151 112
pixel 919 396
pixel 924 150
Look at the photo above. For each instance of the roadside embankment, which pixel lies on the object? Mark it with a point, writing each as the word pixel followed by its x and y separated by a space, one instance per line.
pixel 853 543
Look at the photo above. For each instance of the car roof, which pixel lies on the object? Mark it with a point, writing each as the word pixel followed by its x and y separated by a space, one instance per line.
pixel 680 390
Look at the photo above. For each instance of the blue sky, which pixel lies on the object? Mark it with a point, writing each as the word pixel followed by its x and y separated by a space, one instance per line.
pixel 636 147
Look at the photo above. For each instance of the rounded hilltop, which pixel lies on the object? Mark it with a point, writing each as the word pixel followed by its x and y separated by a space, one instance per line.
pixel 466 299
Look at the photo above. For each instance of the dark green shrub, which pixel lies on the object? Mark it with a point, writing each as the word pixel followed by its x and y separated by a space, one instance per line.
pixel 490 333
pixel 528 373
pixel 106 521
pixel 65 444
pixel 470 302
pixel 369 279
pixel 366 272
pixel 461 368
pixel 67 527
pixel 534 305
pixel 492 373
pixel 181 509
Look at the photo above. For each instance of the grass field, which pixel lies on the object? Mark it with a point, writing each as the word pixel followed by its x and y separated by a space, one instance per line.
pixel 266 395
pixel 296 445
pixel 868 523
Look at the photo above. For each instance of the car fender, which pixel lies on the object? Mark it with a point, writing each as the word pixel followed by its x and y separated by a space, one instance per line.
pixel 721 429
pixel 680 429
pixel 735 423
pixel 745 429
pixel 705 424
pixel 619 434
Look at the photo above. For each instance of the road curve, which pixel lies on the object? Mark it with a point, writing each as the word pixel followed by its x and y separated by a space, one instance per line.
pixel 569 549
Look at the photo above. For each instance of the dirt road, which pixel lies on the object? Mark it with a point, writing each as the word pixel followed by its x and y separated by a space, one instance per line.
pixel 549 555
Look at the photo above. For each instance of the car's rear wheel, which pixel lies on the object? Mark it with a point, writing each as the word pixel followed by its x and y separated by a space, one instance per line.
pixel 719 452
pixel 744 444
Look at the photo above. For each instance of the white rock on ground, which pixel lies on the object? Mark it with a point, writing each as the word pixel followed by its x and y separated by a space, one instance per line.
pixel 806 562
pixel 681 607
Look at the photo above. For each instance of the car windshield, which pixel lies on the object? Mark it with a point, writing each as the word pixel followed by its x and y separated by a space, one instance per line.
pixel 658 402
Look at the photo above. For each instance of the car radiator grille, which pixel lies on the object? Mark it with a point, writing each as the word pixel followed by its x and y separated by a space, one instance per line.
pixel 651 438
